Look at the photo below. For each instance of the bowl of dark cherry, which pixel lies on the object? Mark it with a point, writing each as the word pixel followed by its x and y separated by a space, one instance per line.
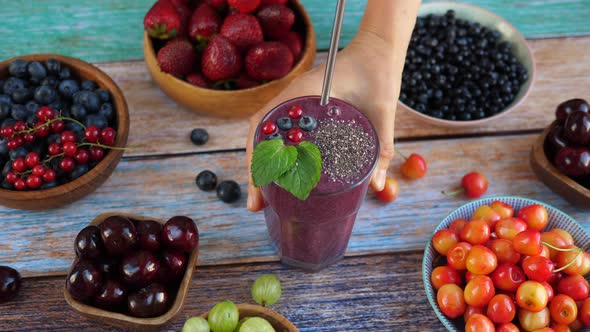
pixel 131 271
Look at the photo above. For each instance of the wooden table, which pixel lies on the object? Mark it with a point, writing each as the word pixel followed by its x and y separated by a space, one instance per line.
pixel 378 286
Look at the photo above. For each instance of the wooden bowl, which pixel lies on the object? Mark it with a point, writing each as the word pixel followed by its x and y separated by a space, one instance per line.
pixel 557 219
pixel 235 103
pixel 87 183
pixel 561 184
pixel 279 322
pixel 507 33
pixel 130 322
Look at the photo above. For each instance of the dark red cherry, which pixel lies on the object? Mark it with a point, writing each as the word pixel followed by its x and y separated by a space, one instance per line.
pixel 564 109
pixel 84 281
pixel 108 266
pixel 574 162
pixel 577 128
pixel 118 235
pixel 555 141
pixel 139 268
pixel 151 301
pixel 112 296
pixel 175 260
pixel 149 233
pixel 10 282
pixel 180 233
pixel 88 243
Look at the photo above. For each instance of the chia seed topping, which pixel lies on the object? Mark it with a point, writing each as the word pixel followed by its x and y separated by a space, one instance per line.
pixel 346 149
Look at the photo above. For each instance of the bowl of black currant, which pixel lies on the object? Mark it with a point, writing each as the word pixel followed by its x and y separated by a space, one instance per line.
pixel 63 129
pixel 464 66
pixel 560 157
pixel 131 271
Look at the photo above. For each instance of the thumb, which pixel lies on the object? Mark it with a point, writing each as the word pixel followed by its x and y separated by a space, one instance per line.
pixel 380 173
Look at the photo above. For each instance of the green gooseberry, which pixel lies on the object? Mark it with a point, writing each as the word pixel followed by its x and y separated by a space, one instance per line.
pixel 256 324
pixel 223 317
pixel 196 324
pixel 266 290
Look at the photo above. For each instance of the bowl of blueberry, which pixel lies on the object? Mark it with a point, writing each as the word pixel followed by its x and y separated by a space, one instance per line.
pixel 464 66
pixel 132 271
pixel 63 129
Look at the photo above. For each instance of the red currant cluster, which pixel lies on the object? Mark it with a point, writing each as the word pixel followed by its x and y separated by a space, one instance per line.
pixel 294 131
pixel 61 157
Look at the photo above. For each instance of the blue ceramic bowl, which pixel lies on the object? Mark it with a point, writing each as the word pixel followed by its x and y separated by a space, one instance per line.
pixel 557 219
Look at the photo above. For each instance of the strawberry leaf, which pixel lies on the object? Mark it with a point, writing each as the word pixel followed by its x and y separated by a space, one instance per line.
pixel 270 160
pixel 305 174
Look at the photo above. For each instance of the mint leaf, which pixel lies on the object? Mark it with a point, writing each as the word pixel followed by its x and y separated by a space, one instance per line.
pixel 270 160
pixel 305 174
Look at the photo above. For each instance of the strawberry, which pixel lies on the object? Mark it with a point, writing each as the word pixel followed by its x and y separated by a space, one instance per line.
pixel 294 41
pixel 244 6
pixel 221 59
pixel 162 21
pixel 199 80
pixel 177 57
pixel 272 2
pixel 185 15
pixel 204 23
pixel 269 61
pixel 217 4
pixel 245 82
pixel 276 20
pixel 242 30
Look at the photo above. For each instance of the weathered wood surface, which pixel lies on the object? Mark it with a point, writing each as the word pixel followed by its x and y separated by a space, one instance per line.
pixel 160 126
pixel 40 243
pixel 101 31
pixel 374 293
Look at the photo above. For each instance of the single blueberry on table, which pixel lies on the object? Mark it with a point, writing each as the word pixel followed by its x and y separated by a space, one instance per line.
pixel 18 68
pixel 228 191
pixel 199 136
pixel 206 180
pixel 45 95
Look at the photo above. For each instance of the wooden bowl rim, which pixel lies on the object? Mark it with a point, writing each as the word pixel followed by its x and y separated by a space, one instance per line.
pixel 538 149
pixel 310 46
pixel 285 323
pixel 474 123
pixel 123 319
pixel 121 111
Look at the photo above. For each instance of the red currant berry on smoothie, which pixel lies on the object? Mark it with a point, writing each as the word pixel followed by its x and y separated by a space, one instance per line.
pixel 295 112
pixel 295 135
pixel 268 127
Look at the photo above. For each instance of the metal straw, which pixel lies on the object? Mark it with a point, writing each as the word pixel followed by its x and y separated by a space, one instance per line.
pixel 332 52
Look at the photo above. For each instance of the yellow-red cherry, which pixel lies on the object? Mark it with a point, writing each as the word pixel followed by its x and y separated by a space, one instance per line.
pixel 390 191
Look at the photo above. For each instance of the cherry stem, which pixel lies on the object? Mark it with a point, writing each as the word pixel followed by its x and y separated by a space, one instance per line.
pixel 453 193
pixel 571 262
pixel 400 153
pixel 557 248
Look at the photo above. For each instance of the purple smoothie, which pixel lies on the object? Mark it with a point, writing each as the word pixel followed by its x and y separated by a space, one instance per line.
pixel 314 233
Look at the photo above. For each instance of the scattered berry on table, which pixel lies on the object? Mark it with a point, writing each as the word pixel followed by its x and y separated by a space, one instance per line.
pixel 228 191
pixel 199 136
pixel 206 180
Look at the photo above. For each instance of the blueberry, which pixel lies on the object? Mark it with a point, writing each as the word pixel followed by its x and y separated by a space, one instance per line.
pixel 12 84
pixel 21 95
pixel 97 120
pixel 228 191
pixel 45 95
pixel 65 73
pixel 37 71
pixel 199 136
pixel 58 104
pixel 103 94
pixel 79 112
pixel 106 109
pixel 5 109
pixel 88 85
pixel 275 136
pixel 39 147
pixel 285 123
pixel 19 152
pixel 52 81
pixel 18 68
pixel 3 146
pixel 54 138
pixel 32 107
pixel 206 180
pixel 53 66
pixel 75 128
pixel 5 99
pixel 89 100
pixel 307 123
pixel 1 86
pixel 78 171
pixel 19 112
pixel 8 122
pixel 32 120
pixel 7 168
pixel 67 88
pixel 5 185
pixel 48 185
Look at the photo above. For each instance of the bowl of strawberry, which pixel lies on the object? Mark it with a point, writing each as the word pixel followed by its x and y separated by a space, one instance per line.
pixel 227 58
pixel 508 264
pixel 63 128
pixel 132 271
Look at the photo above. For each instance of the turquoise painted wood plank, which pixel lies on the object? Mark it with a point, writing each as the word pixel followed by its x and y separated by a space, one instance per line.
pixel 110 30
pixel 41 243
